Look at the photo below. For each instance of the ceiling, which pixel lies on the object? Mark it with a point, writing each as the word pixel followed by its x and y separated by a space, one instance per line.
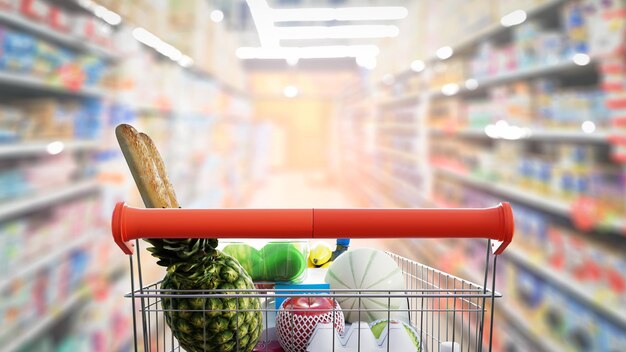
pixel 239 19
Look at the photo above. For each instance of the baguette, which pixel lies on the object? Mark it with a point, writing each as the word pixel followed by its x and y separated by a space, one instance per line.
pixel 143 168
pixel 160 165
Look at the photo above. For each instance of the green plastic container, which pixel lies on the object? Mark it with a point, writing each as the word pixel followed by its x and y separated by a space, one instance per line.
pixel 274 261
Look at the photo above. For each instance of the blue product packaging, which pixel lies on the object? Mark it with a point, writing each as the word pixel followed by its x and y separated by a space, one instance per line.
pixel 299 289
pixel 611 338
pixel 18 51
pixel 313 283
pixel 582 327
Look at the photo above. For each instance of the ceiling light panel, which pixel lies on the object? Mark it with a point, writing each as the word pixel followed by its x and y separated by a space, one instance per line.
pixel 337 32
pixel 310 52
pixel 379 13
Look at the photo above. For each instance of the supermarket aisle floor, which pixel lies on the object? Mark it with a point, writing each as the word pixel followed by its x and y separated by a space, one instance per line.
pixel 299 190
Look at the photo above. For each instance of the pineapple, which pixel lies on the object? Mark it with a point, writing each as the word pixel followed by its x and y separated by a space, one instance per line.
pixel 205 323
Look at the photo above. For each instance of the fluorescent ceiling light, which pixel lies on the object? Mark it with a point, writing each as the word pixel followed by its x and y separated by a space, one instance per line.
pixel 471 84
pixel 107 15
pixel 450 89
pixel 290 91
pixel 55 148
pixel 513 19
pixel 444 52
pixel 388 79
pixel 307 52
pixel 502 130
pixel 337 32
pixel 185 61
pixel 101 12
pixel 217 16
pixel 261 15
pixel 145 37
pixel 339 14
pixel 151 40
pixel 367 62
pixel 588 127
pixel 581 59
pixel 418 65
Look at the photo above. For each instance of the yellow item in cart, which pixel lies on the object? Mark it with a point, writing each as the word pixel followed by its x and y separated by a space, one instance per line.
pixel 320 255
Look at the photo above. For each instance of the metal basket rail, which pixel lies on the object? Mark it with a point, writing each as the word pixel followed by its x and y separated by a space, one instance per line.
pixel 441 308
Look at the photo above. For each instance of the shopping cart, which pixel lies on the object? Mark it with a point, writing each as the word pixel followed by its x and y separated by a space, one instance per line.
pixel 446 312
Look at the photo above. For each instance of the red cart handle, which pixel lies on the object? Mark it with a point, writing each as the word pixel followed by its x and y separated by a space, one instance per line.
pixel 132 223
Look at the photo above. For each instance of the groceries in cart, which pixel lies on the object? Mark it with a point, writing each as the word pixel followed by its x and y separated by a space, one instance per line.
pixel 322 254
pixel 260 296
pixel 193 264
pixel 271 261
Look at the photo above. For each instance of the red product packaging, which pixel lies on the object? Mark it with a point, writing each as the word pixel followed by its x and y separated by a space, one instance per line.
pixel 7 5
pixel 60 20
pixel 94 30
pixel 35 9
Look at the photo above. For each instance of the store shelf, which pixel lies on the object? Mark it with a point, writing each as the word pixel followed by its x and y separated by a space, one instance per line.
pixel 377 177
pixel 554 206
pixel 560 68
pixel 565 67
pixel 76 300
pixel 541 342
pixel 391 180
pixel 51 257
pixel 582 293
pixel 496 28
pixel 436 252
pixel 45 32
pixel 398 153
pixel 396 125
pixel 41 325
pixel 535 135
pixel 381 197
pixel 20 149
pixel 398 101
pixel 17 80
pixel 45 198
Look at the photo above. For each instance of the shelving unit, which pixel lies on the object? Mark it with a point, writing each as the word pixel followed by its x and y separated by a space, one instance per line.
pixel 554 206
pixel 433 253
pixel 496 28
pixel 38 85
pixel 618 316
pixel 76 300
pixel 47 198
pixel 53 90
pixel 560 68
pixel 581 76
pixel 535 135
pixel 518 321
pixel 47 259
pixel 20 149
pixel 398 153
pixel 400 100
pixel 66 40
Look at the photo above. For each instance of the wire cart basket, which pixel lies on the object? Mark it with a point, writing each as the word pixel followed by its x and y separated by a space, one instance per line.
pixel 438 311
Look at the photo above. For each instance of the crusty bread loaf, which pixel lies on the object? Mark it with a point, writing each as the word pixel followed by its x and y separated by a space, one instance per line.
pixel 160 165
pixel 143 167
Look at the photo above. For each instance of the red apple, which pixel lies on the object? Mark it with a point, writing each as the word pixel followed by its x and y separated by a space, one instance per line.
pixel 309 305
pixel 298 317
